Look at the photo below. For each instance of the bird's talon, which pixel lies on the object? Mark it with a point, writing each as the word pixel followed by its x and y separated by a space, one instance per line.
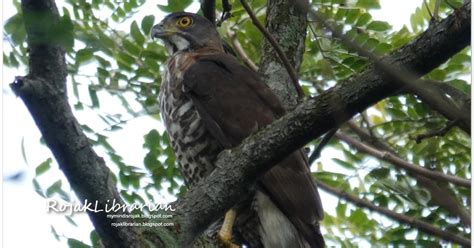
pixel 225 240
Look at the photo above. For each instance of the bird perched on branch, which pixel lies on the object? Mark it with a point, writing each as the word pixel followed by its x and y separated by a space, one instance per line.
pixel 210 102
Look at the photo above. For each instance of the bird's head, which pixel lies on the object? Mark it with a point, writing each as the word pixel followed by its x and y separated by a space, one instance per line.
pixel 186 31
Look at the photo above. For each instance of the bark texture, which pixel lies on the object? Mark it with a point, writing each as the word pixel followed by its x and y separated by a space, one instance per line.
pixel 287 24
pixel 43 91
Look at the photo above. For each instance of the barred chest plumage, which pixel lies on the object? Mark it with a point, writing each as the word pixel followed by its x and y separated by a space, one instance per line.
pixel 194 146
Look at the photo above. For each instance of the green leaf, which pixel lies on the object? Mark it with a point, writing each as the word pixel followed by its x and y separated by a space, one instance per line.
pixel 363 19
pixel 74 243
pixel 379 26
pixel 120 12
pixel 147 23
pixel 368 4
pixel 95 239
pixel 127 6
pixel 151 161
pixel 343 163
pixel 352 15
pixel 16 28
pixel 71 221
pixel 340 14
pixel 379 173
pixel 94 97
pixel 13 61
pixel 437 74
pixel 23 150
pixel 55 233
pixel 152 140
pixel 131 47
pixel 54 188
pixel 398 113
pixel 461 85
pixel 136 34
pixel 43 167
pixel 125 60
pixel 105 40
pixel 64 32
pixel 383 48
pixel 358 216
pixel 175 5
pixel 84 55
pixel 341 210
pixel 38 188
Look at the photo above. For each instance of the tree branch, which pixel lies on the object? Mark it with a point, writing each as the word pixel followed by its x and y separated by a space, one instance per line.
pixel 369 138
pixel 399 75
pixel 288 26
pixel 441 132
pixel 411 221
pixel 395 160
pixel 43 91
pixel 208 8
pixel 240 51
pixel 441 195
pixel 434 94
pixel 312 118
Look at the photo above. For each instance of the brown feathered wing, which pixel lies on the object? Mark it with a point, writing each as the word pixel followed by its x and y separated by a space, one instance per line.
pixel 233 102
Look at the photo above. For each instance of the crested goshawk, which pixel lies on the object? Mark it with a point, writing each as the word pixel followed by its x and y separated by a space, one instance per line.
pixel 210 102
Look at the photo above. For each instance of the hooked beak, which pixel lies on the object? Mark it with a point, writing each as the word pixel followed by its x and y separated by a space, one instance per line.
pixel 160 31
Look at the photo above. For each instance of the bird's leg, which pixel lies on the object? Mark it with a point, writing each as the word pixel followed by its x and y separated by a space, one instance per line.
pixel 225 234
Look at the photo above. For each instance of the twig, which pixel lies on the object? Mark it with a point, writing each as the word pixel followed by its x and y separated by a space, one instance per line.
pixel 440 194
pixel 434 94
pixel 274 43
pixel 436 9
pixel 240 51
pixel 397 161
pixel 226 8
pixel 208 8
pixel 369 137
pixel 441 132
pixel 411 221
pixel 428 9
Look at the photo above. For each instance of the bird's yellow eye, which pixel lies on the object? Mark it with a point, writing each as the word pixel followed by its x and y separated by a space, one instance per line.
pixel 185 21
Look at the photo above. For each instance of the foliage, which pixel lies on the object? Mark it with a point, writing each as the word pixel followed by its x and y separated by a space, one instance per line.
pixel 105 58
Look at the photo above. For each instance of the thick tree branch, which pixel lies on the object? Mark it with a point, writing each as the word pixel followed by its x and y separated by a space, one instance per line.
pixel 411 221
pixel 288 25
pixel 313 117
pixel 43 91
pixel 289 68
